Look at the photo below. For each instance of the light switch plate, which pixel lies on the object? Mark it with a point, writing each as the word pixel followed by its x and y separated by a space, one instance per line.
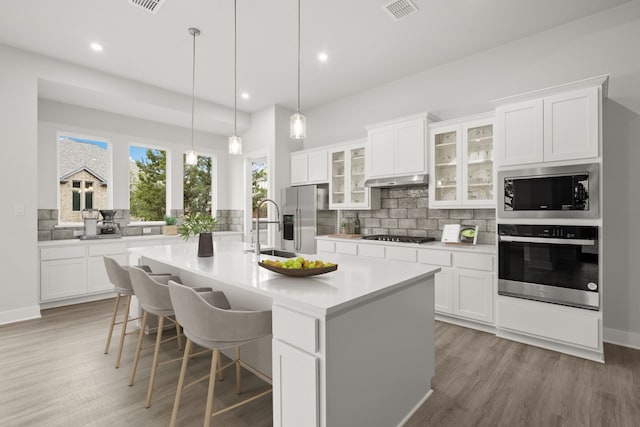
pixel 19 210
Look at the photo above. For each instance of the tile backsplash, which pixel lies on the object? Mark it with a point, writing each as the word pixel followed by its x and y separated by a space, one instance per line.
pixel 405 211
pixel 228 220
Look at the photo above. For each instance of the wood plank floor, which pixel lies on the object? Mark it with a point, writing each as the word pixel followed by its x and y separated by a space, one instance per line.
pixel 53 373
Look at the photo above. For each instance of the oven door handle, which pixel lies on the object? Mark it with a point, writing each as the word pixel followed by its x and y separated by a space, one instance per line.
pixel 552 241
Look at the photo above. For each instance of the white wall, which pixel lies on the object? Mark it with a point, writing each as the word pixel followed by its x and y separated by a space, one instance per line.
pixel 122 131
pixel 606 43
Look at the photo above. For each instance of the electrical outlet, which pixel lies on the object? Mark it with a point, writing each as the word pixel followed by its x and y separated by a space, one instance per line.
pixel 77 233
pixel 146 230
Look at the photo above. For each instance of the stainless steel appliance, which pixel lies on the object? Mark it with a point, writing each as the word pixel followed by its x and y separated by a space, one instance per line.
pixel 553 192
pixel 90 217
pixel 108 226
pixel 401 239
pixel 549 263
pixel 305 214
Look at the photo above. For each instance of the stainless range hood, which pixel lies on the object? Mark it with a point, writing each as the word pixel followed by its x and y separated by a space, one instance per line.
pixel 397 181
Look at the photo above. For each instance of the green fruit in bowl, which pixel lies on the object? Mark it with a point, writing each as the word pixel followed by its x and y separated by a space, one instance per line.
pixel 297 265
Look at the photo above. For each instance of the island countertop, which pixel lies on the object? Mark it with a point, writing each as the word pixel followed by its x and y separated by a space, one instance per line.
pixel 355 281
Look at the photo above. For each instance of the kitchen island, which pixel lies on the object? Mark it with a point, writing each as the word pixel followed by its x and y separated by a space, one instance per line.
pixel 353 347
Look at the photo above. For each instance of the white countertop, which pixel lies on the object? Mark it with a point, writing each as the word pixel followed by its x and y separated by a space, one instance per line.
pixel 488 249
pixel 355 281
pixel 148 237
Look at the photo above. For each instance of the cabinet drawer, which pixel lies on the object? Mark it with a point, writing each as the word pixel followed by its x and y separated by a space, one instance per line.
pixel 108 249
pixel 431 257
pixel 473 261
pixel 298 329
pixel 548 321
pixel 401 254
pixel 325 246
pixel 47 254
pixel 372 251
pixel 347 248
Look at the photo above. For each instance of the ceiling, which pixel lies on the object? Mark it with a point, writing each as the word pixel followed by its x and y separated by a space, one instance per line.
pixel 366 47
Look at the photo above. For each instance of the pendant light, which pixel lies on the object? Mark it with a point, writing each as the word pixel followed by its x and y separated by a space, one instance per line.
pixel 192 156
pixel 235 142
pixel 297 122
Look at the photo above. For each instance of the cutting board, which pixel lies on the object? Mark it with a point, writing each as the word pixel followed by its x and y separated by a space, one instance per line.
pixel 346 236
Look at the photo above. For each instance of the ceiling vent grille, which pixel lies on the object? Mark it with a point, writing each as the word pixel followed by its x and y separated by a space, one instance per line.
pixel 152 6
pixel 400 9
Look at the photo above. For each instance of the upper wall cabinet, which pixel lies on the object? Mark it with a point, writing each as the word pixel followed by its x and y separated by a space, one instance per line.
pixel 556 124
pixel 461 170
pixel 346 187
pixel 309 167
pixel 398 147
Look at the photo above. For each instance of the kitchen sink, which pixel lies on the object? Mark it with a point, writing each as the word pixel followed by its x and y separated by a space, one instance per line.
pixel 274 252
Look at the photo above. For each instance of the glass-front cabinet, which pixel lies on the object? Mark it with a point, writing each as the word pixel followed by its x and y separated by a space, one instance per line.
pixel 462 170
pixel 346 186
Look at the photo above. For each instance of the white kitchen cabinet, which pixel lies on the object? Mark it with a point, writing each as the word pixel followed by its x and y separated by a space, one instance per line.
pixel 473 294
pixel 63 278
pixel 462 169
pixel 309 167
pixel 97 279
pixel 562 123
pixel 443 293
pixel 346 186
pixel 398 147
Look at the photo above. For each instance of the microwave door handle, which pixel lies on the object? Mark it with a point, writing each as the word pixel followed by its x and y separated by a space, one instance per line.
pixel 551 241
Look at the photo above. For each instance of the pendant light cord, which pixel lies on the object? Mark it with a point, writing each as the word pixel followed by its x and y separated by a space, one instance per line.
pixel 298 104
pixel 235 69
pixel 194 32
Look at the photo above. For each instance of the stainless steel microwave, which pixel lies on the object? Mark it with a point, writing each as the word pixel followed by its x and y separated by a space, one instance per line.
pixel 552 192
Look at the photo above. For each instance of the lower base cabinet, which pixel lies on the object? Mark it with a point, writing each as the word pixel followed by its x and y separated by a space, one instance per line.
pixel 444 291
pixel 473 295
pixel 62 278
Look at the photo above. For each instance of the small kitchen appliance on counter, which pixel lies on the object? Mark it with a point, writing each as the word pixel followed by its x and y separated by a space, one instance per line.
pixel 108 227
pixel 90 218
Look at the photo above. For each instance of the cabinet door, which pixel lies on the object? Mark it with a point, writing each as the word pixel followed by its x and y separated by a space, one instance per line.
pixel 63 278
pixel 409 148
pixel 317 167
pixel 519 133
pixel 358 194
pixel 381 151
pixel 337 184
pixel 477 165
pixel 473 294
pixel 444 291
pixel 299 169
pixel 571 125
pixel 444 188
pixel 98 280
pixel 295 387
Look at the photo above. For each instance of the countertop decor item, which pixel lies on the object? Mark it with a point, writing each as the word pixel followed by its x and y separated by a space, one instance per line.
pixel 203 225
pixel 298 272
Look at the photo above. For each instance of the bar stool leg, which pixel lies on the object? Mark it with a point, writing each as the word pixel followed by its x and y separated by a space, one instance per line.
pixel 179 335
pixel 215 357
pixel 137 356
pixel 124 330
pixel 183 372
pixel 113 322
pixel 238 371
pixel 156 356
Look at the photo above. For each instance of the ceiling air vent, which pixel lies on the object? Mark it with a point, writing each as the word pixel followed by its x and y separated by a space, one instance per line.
pixel 152 6
pixel 400 9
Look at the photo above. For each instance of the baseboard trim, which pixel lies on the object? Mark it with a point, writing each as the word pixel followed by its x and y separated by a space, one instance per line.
pixel 20 314
pixel 623 338
pixel 415 408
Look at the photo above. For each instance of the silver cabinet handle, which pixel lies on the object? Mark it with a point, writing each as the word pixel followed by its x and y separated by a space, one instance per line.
pixel 551 241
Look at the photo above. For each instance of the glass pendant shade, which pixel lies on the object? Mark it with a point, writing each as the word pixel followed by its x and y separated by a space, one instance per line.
pixel 235 145
pixel 298 126
pixel 192 157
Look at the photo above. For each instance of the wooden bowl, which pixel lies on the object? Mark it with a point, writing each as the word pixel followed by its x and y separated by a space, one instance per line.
pixel 299 272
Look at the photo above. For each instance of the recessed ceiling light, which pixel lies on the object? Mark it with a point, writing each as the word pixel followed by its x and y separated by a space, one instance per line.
pixel 97 47
pixel 323 57
pixel 245 95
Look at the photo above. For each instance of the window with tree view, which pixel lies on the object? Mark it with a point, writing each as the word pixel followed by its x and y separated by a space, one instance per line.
pixel 259 187
pixel 197 186
pixel 84 176
pixel 147 183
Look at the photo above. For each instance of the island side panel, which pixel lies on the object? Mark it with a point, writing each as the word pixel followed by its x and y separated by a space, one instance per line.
pixel 380 358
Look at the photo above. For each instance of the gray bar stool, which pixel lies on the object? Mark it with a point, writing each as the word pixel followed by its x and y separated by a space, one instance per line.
pixel 208 321
pixel 153 293
pixel 119 278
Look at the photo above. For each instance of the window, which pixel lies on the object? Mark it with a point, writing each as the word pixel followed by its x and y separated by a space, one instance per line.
pixel 84 176
pixel 147 183
pixel 198 182
pixel 258 187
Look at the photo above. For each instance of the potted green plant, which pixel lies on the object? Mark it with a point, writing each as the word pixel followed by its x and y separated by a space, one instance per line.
pixel 170 229
pixel 202 225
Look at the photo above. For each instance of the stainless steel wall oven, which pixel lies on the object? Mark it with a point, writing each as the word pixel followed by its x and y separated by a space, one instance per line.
pixel 550 263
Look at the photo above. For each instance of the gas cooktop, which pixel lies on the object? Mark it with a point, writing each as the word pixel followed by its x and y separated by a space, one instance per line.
pixel 400 239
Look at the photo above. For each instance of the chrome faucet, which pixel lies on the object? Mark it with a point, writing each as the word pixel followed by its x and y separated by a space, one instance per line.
pixel 265 222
